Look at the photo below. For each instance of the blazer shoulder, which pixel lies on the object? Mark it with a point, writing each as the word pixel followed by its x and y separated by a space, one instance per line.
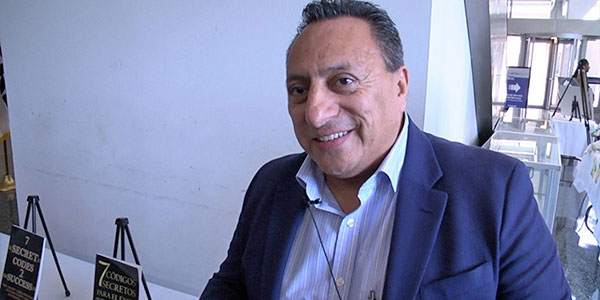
pixel 282 166
pixel 279 170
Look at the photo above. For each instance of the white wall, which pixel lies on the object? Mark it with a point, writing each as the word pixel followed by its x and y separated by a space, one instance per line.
pixel 413 19
pixel 450 106
pixel 160 111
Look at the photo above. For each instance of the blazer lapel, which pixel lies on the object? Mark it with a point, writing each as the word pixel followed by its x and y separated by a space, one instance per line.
pixel 282 226
pixel 419 213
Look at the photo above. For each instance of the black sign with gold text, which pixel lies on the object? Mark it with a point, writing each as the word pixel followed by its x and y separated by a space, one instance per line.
pixel 23 267
pixel 116 279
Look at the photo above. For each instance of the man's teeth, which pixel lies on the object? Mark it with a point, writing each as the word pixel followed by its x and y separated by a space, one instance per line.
pixel 333 136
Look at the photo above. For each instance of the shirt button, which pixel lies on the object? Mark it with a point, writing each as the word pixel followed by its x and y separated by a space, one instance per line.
pixel 350 223
pixel 340 281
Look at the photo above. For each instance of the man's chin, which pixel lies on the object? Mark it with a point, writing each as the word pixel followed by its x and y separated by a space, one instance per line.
pixel 336 165
pixel 340 172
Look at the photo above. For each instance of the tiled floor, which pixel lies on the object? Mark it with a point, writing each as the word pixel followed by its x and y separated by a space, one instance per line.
pixel 580 260
pixel 577 248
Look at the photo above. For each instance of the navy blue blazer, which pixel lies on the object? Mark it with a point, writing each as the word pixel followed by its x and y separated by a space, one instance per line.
pixel 466 227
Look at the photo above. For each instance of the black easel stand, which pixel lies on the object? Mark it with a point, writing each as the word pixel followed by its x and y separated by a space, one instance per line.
pixel 32 201
pixel 564 92
pixel 575 111
pixel 122 228
pixel 580 75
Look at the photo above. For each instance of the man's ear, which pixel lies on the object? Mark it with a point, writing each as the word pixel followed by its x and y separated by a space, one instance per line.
pixel 401 78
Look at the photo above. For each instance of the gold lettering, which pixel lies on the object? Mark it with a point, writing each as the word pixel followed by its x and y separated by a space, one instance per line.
pixel 121 278
pixel 27 266
pixel 20 282
pixel 115 287
pixel 103 263
pixel 27 254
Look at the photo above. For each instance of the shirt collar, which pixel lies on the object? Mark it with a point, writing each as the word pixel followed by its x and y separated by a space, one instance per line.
pixel 394 160
pixel 309 175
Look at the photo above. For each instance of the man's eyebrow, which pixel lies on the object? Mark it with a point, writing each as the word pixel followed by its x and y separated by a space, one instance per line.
pixel 321 72
pixel 295 77
pixel 338 67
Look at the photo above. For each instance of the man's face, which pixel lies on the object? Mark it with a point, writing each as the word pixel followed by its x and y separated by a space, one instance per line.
pixel 345 106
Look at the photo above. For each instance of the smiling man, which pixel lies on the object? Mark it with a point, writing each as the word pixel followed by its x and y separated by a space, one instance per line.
pixel 375 208
pixel 345 105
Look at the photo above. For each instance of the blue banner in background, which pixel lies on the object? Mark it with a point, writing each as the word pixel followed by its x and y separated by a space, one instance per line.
pixel 517 87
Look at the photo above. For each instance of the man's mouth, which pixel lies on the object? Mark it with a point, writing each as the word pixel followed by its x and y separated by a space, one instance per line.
pixel 332 136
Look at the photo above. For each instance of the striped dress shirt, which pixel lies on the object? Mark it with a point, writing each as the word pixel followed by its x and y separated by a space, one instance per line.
pixel 357 244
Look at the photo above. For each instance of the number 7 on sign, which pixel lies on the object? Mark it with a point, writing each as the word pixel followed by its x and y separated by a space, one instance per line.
pixel 103 272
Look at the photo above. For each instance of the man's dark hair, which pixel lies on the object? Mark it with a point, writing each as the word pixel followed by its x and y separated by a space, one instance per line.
pixel 583 62
pixel 383 28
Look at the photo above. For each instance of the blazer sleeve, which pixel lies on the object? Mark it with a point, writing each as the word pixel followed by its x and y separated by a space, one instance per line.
pixel 229 281
pixel 529 264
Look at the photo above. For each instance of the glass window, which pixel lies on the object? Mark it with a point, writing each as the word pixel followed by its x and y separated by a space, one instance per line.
pixel 530 9
pixel 539 72
pixel 592 54
pixel 498 70
pixel 513 48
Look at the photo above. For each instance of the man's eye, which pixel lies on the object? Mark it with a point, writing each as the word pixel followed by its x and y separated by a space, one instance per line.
pixel 343 84
pixel 296 91
pixel 345 81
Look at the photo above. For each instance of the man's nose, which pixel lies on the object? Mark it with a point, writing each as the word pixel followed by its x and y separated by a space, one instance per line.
pixel 321 105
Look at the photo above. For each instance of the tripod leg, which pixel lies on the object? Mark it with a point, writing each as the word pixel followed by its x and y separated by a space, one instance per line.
pixel 31 202
pixel 33 218
pixel 563 94
pixel 121 224
pixel 62 278
pixel 137 261
pixel 123 242
pixel 146 287
pixel 587 128
pixel 116 242
pixel 27 213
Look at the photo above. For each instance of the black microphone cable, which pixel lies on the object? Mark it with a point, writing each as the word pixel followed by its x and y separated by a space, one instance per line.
pixel 314 202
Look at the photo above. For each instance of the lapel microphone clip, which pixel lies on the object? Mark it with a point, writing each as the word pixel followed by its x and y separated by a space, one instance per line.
pixel 313 202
